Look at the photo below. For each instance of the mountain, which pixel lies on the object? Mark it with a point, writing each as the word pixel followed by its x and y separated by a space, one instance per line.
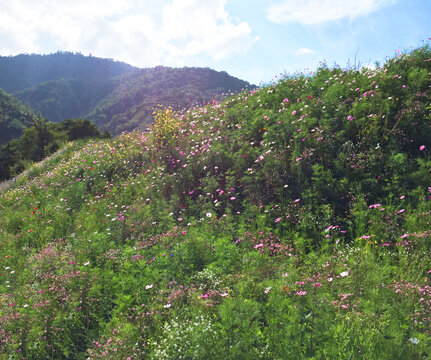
pixel 66 98
pixel 286 222
pixel 23 71
pixel 117 96
pixel 131 104
pixel 13 117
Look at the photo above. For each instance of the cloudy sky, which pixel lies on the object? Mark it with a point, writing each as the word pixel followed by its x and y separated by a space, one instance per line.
pixel 254 40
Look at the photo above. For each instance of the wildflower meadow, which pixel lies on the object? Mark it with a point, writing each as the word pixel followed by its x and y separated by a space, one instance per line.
pixel 291 221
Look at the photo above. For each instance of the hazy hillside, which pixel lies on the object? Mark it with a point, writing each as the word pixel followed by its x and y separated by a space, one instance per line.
pixel 131 104
pixel 13 117
pixel 115 95
pixel 24 71
pixel 287 222
pixel 61 99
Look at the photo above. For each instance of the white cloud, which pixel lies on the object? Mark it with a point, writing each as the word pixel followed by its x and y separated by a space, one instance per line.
pixel 310 12
pixel 304 51
pixel 194 27
pixel 142 32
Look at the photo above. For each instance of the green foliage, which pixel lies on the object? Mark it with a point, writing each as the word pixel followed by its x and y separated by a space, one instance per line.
pixel 287 222
pixel 41 140
pixel 14 117
pixel 165 127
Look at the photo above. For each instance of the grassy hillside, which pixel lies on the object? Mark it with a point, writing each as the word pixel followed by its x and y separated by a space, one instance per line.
pixel 289 222
pixel 41 139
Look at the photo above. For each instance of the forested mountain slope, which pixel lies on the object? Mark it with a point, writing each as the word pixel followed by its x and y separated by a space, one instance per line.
pixel 130 106
pixel 14 117
pixel 23 71
pixel 117 96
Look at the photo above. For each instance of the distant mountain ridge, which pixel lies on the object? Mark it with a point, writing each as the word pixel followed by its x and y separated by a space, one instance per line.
pixel 24 71
pixel 115 95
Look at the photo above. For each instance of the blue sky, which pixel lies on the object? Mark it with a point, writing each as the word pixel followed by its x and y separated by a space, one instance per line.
pixel 250 39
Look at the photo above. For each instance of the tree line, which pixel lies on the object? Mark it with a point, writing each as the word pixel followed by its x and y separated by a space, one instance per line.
pixel 41 139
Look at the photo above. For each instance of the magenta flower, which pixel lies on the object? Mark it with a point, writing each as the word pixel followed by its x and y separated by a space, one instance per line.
pixel 422 147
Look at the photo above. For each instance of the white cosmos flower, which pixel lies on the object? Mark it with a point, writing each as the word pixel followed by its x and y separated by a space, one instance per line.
pixel 414 341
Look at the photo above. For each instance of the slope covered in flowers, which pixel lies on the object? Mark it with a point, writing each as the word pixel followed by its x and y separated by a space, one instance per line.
pixel 292 221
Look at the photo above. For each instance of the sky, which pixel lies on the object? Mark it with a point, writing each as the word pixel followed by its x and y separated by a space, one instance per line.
pixel 254 40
